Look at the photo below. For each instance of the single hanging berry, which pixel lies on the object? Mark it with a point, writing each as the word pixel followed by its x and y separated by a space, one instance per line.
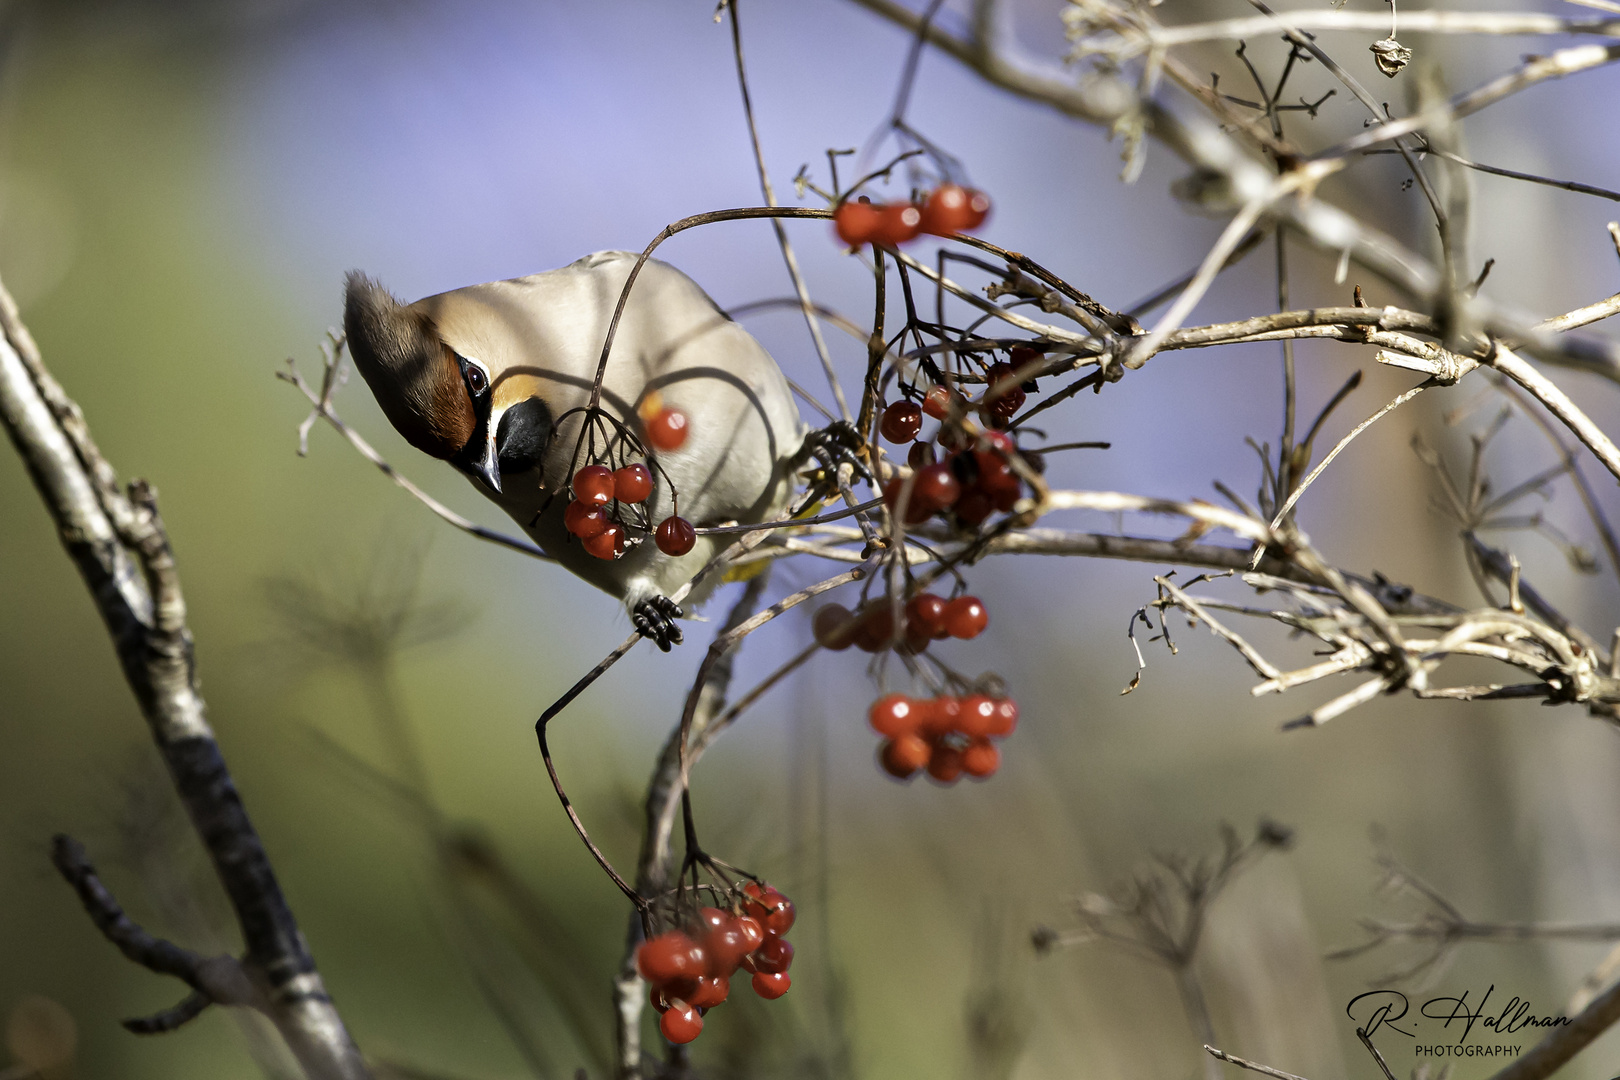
pixel 926 612
pixel 594 484
pixel 966 617
pixel 670 956
pixel 771 987
pixel 978 208
pixel 675 536
pixel 712 990
pixel 585 520
pixel 774 957
pixel 945 764
pixel 935 488
pixel 948 211
pixel 633 483
pixel 981 759
pixel 834 627
pixel 681 1025
pixel 904 757
pixel 937 402
pixel 608 543
pixel 898 223
pixel 856 221
pixel 667 429
pixel 894 715
pixel 901 421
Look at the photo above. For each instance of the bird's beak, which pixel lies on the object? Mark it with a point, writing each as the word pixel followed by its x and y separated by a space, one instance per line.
pixel 488 468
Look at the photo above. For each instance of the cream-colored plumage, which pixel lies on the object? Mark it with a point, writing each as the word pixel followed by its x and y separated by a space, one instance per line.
pixel 538 339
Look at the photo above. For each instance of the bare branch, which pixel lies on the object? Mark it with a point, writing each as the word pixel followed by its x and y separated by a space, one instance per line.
pixel 123 553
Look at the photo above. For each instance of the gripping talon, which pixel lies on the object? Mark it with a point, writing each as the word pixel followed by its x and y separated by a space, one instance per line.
pixel 834 445
pixel 654 619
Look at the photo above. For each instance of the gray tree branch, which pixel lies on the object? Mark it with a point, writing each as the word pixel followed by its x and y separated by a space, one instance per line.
pixel 118 542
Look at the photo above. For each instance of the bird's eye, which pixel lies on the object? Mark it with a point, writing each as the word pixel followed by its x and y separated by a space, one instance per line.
pixel 477 381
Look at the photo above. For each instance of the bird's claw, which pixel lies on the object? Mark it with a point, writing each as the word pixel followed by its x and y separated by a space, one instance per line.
pixel 836 444
pixel 654 619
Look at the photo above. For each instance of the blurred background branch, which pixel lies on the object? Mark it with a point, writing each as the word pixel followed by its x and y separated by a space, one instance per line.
pixel 121 549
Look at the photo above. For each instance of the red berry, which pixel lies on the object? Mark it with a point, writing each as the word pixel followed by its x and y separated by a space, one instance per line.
pixel 978 716
pixel 781 917
pixel 752 932
pixel 944 716
pixel 980 759
pixel 999 385
pixel 834 627
pixel 902 757
pixel 917 509
pixel 774 911
pixel 945 764
pixel 681 1025
pixel 914 641
pixel 633 483
pixel 712 989
pixel 675 536
pixel 754 904
pixel 856 222
pixel 920 456
pixel 876 631
pixel 723 941
pixel 937 402
pixel 670 956
pixel 774 957
pixel 726 949
pixel 667 429
pixel 771 987
pixel 901 421
pixel 966 617
pixel 1006 717
pixel 899 222
pixel 1005 406
pixel 1019 355
pixel 607 543
pixel 1000 441
pixel 594 484
pixel 973 507
pixel 585 520
pixel 978 208
pixel 926 612
pixel 936 487
pixel 997 479
pixel 947 211
pixel 894 715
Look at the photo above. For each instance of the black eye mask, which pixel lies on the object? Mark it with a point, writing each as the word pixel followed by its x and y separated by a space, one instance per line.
pixel 520 441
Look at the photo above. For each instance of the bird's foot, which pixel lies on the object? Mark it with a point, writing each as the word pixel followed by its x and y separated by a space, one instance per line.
pixel 836 444
pixel 654 619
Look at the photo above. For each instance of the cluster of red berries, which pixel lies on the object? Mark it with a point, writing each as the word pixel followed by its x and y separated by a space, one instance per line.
pixel 950 209
pixel 969 485
pixel 925 618
pixel 587 517
pixel 690 972
pixel 947 735
pixel 976 477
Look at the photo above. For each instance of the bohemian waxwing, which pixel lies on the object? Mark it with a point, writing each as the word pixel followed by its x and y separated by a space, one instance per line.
pixel 491 378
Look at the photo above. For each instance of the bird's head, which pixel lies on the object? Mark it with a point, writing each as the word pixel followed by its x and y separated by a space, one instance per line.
pixel 443 401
